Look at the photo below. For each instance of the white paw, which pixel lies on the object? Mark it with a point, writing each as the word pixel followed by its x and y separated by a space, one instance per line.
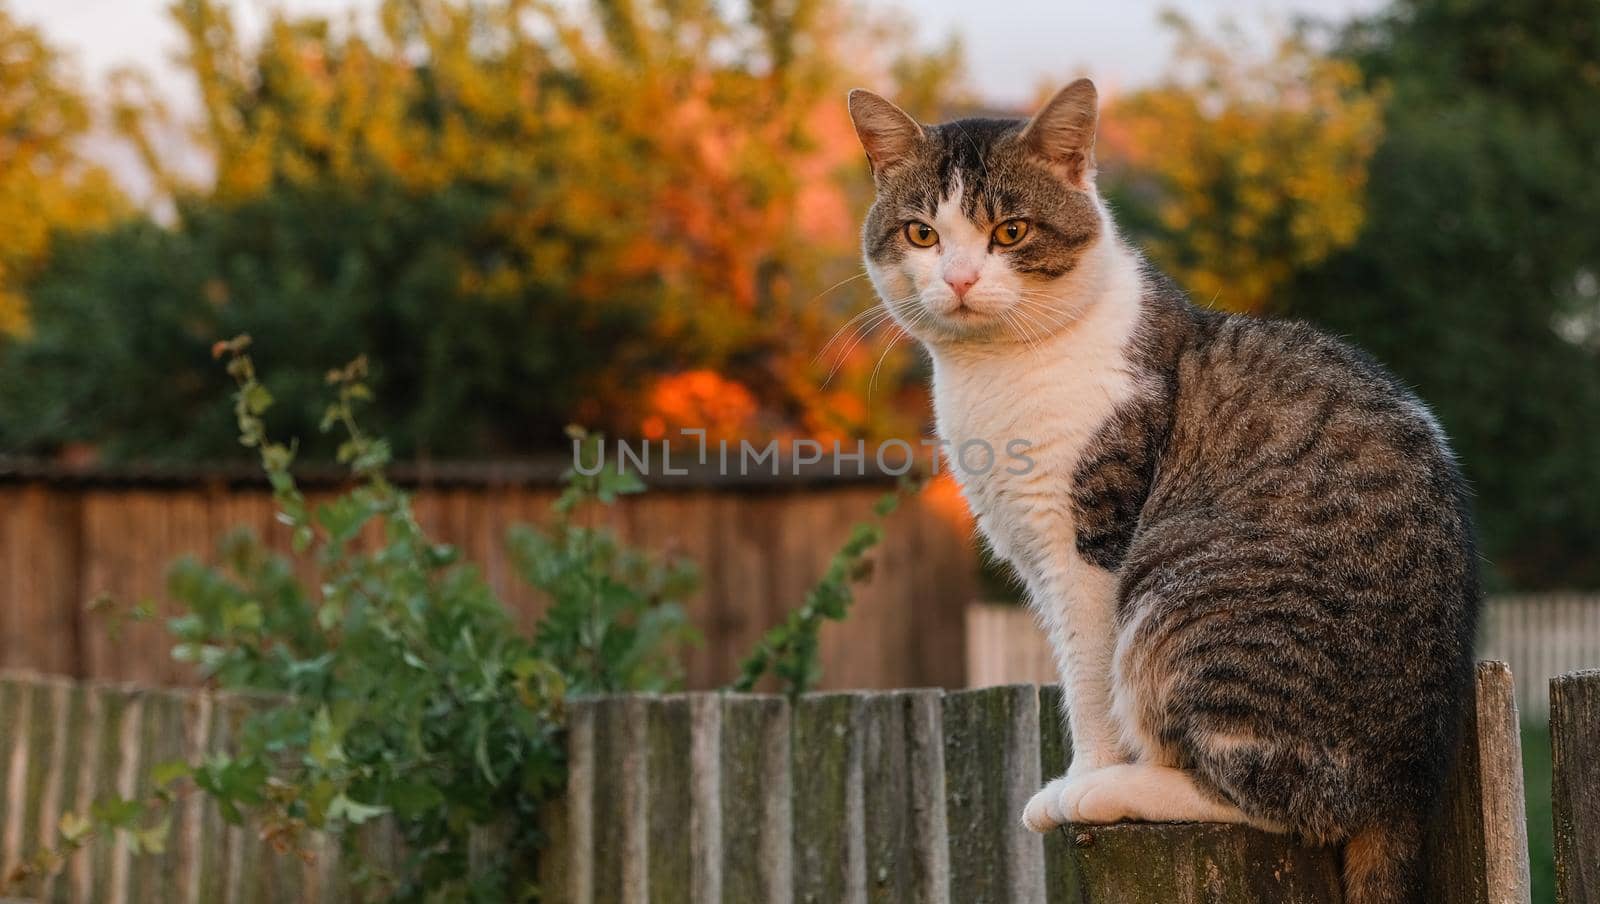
pixel 1043 811
pixel 1100 800
pixel 1049 808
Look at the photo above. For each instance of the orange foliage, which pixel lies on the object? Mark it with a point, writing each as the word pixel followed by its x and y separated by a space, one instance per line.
pixel 1253 170
pixel 699 400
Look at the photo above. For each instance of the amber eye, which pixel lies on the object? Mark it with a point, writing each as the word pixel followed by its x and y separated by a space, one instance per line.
pixel 1010 232
pixel 921 234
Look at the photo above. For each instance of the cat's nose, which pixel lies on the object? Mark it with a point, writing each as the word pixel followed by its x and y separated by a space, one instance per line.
pixel 961 280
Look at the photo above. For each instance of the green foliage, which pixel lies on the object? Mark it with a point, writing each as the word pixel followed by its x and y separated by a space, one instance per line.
pixel 789 650
pixel 398 688
pixel 1477 274
pixel 316 274
pixel 406 690
pixel 615 616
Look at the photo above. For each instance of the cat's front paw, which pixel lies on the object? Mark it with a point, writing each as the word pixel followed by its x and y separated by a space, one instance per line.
pixel 1043 811
pixel 1055 803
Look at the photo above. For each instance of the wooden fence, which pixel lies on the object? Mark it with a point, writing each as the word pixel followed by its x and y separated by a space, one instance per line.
pixel 1539 635
pixel 759 547
pixel 849 798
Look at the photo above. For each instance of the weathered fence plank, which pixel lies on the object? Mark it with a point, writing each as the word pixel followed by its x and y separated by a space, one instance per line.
pixel 754 815
pixel 576 863
pixel 154 876
pixel 903 778
pixel 620 825
pixel 1476 851
pixel 1575 743
pixel 62 793
pixel 991 744
pixel 669 766
pixel 1061 880
pixel 829 827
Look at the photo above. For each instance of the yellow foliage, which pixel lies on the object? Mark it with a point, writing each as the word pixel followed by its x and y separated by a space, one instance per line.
pixel 698 154
pixel 1252 170
pixel 45 185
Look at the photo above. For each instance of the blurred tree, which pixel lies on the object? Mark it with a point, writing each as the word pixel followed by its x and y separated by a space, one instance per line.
pixel 1236 173
pixel 45 183
pixel 119 358
pixel 1477 274
pixel 562 206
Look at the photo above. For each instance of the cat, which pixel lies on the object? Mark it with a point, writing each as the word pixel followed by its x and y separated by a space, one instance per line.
pixel 1251 547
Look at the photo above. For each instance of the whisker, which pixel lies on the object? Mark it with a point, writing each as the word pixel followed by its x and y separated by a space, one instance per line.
pixel 875 309
pixel 873 326
pixel 875 313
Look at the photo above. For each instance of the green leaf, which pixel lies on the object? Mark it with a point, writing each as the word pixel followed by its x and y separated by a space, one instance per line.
pixel 245 617
pixel 352 812
pixel 166 773
pixel 152 839
pixel 73 828
pixel 115 812
pixel 257 399
pixel 324 748
pixel 413 798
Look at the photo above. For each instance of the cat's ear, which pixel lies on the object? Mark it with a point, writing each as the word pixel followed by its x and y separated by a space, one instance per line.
pixel 1062 133
pixel 887 133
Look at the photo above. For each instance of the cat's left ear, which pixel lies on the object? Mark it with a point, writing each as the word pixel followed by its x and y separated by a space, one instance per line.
pixel 1062 133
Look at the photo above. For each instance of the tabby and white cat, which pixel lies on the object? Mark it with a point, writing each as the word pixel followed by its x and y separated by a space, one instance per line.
pixel 1249 544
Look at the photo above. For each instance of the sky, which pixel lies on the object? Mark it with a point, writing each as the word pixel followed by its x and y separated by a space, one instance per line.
pixel 1012 46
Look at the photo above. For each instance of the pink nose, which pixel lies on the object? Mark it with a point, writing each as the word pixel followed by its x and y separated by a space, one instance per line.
pixel 961 281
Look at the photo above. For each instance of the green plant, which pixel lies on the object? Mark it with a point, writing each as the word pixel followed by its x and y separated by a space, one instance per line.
pixel 407 691
pixel 399 686
pixel 614 620
pixel 789 650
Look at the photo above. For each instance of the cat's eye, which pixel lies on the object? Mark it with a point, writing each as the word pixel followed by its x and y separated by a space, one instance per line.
pixel 1010 232
pixel 921 234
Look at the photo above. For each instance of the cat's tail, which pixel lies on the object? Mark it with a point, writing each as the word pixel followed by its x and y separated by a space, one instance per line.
pixel 1383 864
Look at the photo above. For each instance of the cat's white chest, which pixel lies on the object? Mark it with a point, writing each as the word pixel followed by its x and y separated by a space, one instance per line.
pixel 1038 409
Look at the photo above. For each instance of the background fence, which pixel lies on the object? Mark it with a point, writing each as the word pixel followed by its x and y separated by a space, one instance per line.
pixel 837 798
pixel 66 537
pixel 1539 636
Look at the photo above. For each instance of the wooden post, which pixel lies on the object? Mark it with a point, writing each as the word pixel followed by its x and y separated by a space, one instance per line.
pixel 1198 864
pixel 1477 847
pixel 1575 744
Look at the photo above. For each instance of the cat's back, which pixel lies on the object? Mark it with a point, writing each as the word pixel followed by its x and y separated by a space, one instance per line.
pixel 1268 409
pixel 1282 432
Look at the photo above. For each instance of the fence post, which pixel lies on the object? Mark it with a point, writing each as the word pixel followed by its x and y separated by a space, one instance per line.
pixel 1477 847
pixel 1575 744
pixel 1172 864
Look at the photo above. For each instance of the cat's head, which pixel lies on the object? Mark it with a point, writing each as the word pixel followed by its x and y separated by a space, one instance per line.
pixel 982 229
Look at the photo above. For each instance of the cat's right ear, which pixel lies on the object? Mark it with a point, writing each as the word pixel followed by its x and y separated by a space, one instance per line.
pixel 887 133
